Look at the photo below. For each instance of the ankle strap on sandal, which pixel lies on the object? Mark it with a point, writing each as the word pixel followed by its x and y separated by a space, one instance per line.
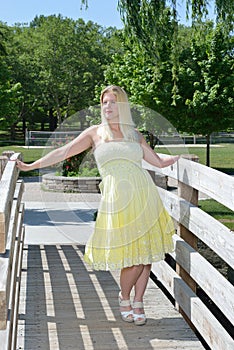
pixel 137 304
pixel 124 302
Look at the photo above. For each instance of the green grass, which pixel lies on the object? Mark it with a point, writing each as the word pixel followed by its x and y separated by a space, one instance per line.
pixel 221 158
pixel 29 154
pixel 218 211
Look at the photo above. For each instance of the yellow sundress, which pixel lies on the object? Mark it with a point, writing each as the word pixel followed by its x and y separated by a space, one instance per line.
pixel 132 226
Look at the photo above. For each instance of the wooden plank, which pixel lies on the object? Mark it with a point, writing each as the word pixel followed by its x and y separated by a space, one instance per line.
pixel 19 190
pixel 15 284
pixel 216 286
pixel 67 305
pixel 15 210
pixel 204 321
pixel 6 260
pixel 8 336
pixel 3 162
pixel 14 289
pixel 10 247
pixel 7 188
pixel 212 232
pixel 215 184
pixel 190 194
pixel 6 266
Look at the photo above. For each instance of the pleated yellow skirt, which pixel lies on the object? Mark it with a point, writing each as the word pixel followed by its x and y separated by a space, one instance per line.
pixel 132 225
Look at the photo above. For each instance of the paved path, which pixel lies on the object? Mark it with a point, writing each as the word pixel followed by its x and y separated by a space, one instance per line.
pixel 57 218
pixel 66 305
pixel 60 218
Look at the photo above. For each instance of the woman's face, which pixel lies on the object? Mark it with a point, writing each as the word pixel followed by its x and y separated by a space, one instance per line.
pixel 110 107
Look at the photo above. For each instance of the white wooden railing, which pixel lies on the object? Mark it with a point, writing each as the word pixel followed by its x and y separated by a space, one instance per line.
pixel 192 269
pixel 11 248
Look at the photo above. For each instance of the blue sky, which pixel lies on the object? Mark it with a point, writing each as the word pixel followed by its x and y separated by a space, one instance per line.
pixel 103 12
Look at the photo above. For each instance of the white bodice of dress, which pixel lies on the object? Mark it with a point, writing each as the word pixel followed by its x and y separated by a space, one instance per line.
pixel 112 156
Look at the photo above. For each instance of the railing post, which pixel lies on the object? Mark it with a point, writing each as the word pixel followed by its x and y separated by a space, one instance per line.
pixel 3 162
pixel 4 159
pixel 8 154
pixel 190 194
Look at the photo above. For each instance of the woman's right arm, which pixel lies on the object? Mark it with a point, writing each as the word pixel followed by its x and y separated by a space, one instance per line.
pixel 81 143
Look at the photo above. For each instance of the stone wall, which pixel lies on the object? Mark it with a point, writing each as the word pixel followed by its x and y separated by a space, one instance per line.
pixel 52 182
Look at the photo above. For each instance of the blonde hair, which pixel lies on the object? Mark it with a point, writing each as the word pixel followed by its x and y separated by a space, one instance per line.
pixel 125 117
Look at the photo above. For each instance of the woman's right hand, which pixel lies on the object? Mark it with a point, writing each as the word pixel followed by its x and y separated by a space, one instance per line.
pixel 23 166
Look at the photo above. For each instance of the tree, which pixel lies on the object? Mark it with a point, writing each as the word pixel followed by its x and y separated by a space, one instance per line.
pixel 58 62
pixel 205 98
pixel 72 57
pixel 2 39
pixel 10 92
pixel 144 22
pixel 146 84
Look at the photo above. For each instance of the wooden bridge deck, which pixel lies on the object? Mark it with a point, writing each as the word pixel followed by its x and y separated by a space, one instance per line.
pixel 66 305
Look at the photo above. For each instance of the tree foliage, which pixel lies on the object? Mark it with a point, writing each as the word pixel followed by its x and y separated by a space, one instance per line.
pixel 210 102
pixel 57 62
pixel 202 73
pixel 135 12
pixel 145 17
pixel 204 98
pixel 10 92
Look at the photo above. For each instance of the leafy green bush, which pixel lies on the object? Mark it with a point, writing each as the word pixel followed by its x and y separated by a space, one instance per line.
pixel 70 166
pixel 82 164
pixel 87 172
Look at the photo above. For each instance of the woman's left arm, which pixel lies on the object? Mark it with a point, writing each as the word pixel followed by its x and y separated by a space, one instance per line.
pixel 153 158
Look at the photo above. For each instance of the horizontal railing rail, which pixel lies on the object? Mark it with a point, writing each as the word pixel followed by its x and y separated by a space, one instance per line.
pixel 211 182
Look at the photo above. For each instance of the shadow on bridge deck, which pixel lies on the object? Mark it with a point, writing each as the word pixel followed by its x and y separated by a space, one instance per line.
pixel 66 305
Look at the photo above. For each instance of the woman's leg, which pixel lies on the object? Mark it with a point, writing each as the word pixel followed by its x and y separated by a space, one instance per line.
pixel 128 278
pixel 137 277
pixel 140 288
pixel 141 283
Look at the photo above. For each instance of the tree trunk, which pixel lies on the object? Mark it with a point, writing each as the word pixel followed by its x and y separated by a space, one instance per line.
pixel 13 131
pixel 208 150
pixel 151 138
pixel 52 120
pixel 24 126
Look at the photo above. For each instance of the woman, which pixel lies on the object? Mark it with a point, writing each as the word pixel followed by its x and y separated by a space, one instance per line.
pixel 132 228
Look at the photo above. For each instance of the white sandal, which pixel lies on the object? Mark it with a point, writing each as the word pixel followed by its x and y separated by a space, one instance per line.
pixel 126 316
pixel 139 319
